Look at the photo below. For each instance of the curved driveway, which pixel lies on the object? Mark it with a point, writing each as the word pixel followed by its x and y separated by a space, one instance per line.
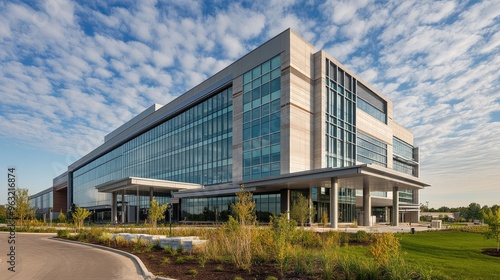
pixel 38 257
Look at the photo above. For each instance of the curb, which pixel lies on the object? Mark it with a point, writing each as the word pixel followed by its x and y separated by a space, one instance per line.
pixel 145 272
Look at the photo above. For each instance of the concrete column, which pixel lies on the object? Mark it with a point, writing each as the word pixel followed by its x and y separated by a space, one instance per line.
pixel 138 205
pixel 416 200
pixel 288 197
pixel 310 206
pixel 367 204
pixel 334 203
pixel 395 206
pixel 114 208
pixel 123 206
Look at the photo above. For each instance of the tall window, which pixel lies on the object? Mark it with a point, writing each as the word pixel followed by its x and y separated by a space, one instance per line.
pixel 261 120
pixel 340 135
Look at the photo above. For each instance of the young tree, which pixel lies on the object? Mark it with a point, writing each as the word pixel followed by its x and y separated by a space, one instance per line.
pixel 23 208
pixel 156 212
pixel 300 210
pixel 61 217
pixel 493 221
pixel 79 215
pixel 244 208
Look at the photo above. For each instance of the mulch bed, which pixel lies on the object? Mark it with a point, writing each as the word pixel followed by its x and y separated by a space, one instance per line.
pixel 491 252
pixel 211 270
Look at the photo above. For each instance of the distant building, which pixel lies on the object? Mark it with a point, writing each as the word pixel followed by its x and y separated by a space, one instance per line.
pixel 283 119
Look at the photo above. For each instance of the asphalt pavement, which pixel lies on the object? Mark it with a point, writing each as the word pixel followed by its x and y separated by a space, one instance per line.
pixel 39 257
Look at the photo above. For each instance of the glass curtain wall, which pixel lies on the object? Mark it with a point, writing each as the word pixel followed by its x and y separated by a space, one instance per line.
pixel 194 146
pixel 261 120
pixel 371 150
pixel 340 117
pixel 218 209
pixel 404 162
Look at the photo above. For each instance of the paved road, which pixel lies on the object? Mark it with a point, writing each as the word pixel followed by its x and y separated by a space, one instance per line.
pixel 38 257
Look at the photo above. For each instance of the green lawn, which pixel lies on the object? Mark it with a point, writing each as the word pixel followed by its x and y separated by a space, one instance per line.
pixel 452 253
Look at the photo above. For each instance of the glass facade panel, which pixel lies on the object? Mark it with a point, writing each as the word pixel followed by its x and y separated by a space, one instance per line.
pixel 219 208
pixel 403 167
pixel 404 160
pixel 371 150
pixel 402 149
pixel 340 118
pixel 261 120
pixel 347 205
pixel 406 196
pixel 194 146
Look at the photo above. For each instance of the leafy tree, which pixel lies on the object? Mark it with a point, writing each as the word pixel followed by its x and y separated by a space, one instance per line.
pixel 493 221
pixel 300 210
pixel 244 208
pixel 472 212
pixel 443 209
pixel 486 212
pixel 156 212
pixel 3 213
pixel 79 215
pixel 23 209
pixel 61 217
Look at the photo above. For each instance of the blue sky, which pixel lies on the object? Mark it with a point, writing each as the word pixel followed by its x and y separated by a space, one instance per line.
pixel 72 72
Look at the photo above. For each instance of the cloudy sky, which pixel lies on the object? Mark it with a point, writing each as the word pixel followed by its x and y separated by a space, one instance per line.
pixel 72 72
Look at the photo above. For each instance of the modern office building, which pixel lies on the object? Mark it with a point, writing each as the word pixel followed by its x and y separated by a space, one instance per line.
pixel 283 119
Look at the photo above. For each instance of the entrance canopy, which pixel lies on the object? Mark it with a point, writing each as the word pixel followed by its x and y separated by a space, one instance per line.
pixel 145 185
pixel 353 177
pixel 138 186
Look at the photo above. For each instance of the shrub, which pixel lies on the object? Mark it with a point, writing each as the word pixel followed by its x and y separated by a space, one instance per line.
pixel 165 261
pixel 362 236
pixel 344 239
pixel 105 238
pixel 180 260
pixel 331 240
pixel 193 272
pixel 63 233
pixel 219 268
pixel 271 278
pixel 120 241
pixel 307 238
pixel 385 248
